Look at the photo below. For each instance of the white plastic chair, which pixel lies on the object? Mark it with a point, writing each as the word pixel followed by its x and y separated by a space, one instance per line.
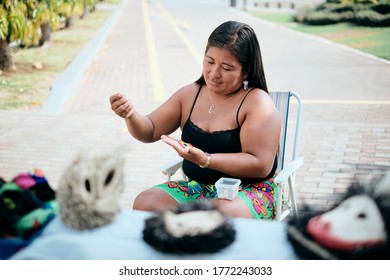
pixel 285 179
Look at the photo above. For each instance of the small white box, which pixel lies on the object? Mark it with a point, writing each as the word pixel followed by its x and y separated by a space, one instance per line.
pixel 227 188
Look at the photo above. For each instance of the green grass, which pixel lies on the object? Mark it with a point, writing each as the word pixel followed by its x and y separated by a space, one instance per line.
pixel 27 88
pixel 372 40
pixel 283 18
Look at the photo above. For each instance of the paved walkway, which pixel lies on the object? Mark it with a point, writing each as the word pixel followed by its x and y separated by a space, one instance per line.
pixel 346 118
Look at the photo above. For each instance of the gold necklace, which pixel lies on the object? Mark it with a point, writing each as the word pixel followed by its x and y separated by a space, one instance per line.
pixel 213 105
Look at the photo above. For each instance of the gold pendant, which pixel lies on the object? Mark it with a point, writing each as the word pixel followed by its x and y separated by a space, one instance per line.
pixel 211 109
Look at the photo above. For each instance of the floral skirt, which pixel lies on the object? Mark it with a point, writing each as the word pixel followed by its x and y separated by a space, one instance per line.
pixel 259 197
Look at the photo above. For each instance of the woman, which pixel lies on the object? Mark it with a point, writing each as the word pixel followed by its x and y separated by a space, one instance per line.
pixel 230 121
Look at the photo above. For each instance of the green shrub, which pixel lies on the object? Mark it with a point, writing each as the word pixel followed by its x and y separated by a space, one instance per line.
pixel 355 1
pixel 335 8
pixel 323 18
pixel 365 2
pixel 382 8
pixel 340 8
pixel 302 13
pixel 332 12
pixel 333 1
pixel 372 18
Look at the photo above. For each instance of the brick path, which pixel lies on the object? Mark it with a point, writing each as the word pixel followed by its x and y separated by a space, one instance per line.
pixel 346 117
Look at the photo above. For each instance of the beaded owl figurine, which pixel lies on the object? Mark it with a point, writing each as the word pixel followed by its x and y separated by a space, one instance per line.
pixel 89 191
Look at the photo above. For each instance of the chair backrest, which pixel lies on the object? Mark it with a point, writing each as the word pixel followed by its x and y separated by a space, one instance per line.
pixel 282 102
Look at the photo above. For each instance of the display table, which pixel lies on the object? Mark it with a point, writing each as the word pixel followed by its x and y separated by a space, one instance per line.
pixel 123 240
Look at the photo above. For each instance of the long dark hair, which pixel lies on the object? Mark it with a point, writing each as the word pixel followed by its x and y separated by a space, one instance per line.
pixel 242 41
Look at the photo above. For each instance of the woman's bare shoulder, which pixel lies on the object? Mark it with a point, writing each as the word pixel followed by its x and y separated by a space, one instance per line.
pixel 186 93
pixel 189 88
pixel 259 105
pixel 258 97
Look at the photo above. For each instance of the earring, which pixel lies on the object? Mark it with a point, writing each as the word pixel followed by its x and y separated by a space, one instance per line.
pixel 246 83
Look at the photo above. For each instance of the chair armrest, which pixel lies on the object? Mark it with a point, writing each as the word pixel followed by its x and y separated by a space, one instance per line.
pixel 172 167
pixel 288 170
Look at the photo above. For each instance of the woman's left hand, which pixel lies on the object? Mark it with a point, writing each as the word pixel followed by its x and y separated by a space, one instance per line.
pixel 185 150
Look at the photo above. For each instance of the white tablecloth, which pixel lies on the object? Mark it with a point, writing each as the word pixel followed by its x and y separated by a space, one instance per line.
pixel 122 240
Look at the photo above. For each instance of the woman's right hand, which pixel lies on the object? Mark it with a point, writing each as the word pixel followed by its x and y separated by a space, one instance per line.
pixel 121 105
pixel 186 150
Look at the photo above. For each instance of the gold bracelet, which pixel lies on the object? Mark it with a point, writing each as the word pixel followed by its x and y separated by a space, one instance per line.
pixel 207 163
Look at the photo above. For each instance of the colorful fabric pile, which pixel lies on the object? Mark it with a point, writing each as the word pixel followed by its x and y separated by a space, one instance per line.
pixel 27 205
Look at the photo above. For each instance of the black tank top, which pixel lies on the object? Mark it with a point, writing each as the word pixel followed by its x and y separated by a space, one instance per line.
pixel 225 141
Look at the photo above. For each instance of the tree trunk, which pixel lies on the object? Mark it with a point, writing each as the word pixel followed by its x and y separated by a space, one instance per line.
pixel 46 33
pixel 6 62
pixel 85 11
pixel 69 22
